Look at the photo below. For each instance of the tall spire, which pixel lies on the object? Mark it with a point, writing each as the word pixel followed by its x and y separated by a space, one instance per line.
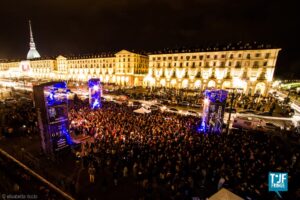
pixel 31 35
pixel 32 53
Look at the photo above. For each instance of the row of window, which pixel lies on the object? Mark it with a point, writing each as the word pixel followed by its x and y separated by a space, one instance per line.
pixel 91 61
pixel 108 60
pixel 212 75
pixel 213 64
pixel 107 65
pixel 134 60
pixel 201 57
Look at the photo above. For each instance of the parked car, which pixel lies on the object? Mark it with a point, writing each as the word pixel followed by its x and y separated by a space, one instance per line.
pixel 10 102
pixel 83 96
pixel 193 113
pixel 165 102
pixel 136 104
pixel 148 98
pixel 233 110
pixel 161 107
pixel 247 112
pixel 172 110
pixel 292 113
pixel 154 108
pixel 264 114
pixel 268 127
pixel 102 99
pixel 25 99
pixel 184 103
pixel 196 105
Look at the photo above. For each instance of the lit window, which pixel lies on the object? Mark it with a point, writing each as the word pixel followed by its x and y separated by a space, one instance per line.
pixel 238 64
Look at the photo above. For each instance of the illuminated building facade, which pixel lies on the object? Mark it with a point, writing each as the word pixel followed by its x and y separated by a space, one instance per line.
pixel 249 69
pixel 123 68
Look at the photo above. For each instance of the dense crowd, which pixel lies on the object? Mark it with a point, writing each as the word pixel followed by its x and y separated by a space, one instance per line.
pixel 164 154
pixel 168 159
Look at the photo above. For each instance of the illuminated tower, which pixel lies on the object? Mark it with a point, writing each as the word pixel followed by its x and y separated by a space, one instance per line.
pixel 32 53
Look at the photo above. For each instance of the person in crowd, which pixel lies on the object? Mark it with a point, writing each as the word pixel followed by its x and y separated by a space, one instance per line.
pixel 92 172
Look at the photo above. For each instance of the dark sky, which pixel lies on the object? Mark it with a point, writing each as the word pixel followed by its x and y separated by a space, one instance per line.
pixel 91 26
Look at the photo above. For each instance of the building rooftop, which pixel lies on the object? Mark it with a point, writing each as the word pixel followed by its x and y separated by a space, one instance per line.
pixel 215 47
pixel 184 49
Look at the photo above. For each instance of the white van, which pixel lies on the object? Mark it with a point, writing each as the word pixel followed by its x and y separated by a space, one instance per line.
pixel 247 123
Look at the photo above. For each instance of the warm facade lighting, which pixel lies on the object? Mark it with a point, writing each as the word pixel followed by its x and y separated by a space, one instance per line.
pixel 195 70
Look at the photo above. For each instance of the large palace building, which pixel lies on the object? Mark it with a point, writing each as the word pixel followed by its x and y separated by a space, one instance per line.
pixel 250 70
pixel 249 67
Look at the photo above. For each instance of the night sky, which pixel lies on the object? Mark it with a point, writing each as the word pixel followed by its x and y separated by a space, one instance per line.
pixel 92 26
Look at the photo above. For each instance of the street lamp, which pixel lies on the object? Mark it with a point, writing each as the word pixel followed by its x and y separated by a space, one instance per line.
pixel 233 96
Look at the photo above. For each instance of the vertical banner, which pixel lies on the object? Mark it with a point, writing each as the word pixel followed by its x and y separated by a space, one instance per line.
pixel 95 92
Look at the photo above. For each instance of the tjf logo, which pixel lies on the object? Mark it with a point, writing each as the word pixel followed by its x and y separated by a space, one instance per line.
pixel 278 182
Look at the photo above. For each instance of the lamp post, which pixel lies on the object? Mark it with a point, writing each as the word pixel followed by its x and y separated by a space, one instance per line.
pixel 230 110
pixel 229 116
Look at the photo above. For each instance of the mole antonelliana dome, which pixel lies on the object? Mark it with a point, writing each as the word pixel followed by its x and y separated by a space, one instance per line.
pixel 32 53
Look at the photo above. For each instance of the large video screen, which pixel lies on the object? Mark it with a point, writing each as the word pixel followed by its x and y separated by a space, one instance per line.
pixel 55 94
pixel 57 113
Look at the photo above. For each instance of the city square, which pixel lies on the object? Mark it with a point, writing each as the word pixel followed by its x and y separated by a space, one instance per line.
pixel 216 121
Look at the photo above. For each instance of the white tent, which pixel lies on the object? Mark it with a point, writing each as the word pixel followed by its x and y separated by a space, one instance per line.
pixel 224 194
pixel 142 111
